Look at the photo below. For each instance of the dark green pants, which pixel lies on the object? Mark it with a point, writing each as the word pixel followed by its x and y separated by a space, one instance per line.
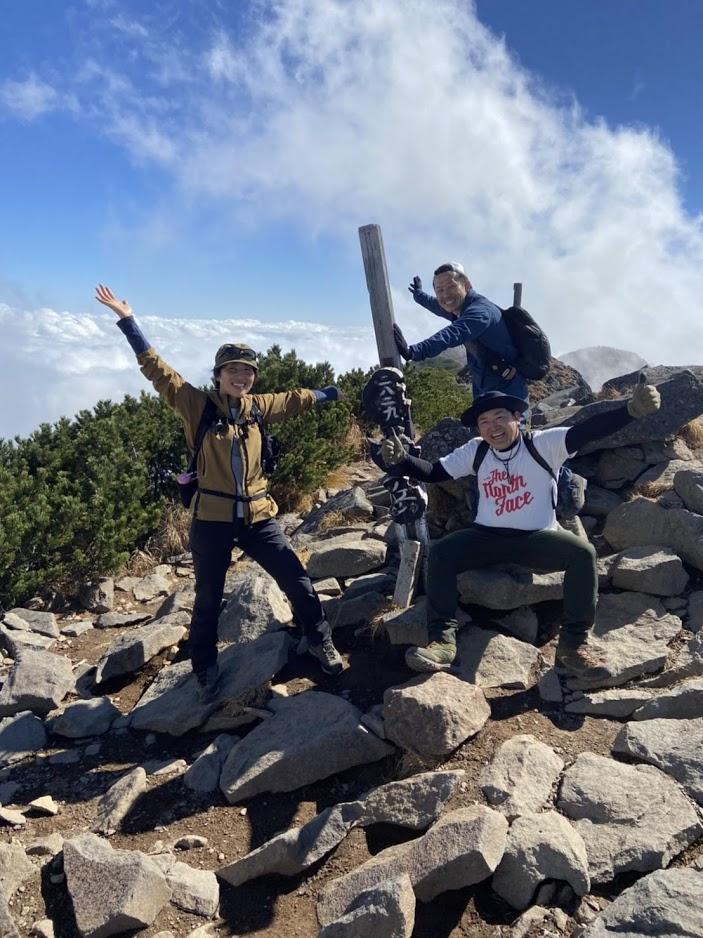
pixel 542 551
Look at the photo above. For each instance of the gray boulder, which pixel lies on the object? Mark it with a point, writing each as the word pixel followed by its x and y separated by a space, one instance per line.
pixel 688 485
pixel 192 890
pixel 118 620
pixel 43 623
pixel 182 600
pixel 666 903
pixel 346 507
pixel 150 587
pixel 522 623
pixel 98 595
pixel 632 818
pixel 8 929
pixel 384 911
pixel 409 626
pixel 631 633
pixel 38 681
pixel 618 703
pixel 521 777
pixel 343 556
pixel 491 659
pixel 204 774
pixel 433 714
pixel 599 501
pixel 640 523
pixel 676 746
pixel 118 800
pixel 91 717
pixel 20 735
pixel 172 705
pixel 463 848
pixel 694 622
pixel 681 401
pixel 15 869
pixel 656 570
pixel 309 737
pixel 256 606
pixel 540 847
pixel 683 701
pixel 617 467
pixel 112 890
pixel 131 650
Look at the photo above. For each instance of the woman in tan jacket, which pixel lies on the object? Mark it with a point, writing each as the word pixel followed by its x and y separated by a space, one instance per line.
pixel 232 504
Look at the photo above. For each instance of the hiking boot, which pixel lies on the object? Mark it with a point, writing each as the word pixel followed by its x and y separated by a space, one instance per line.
pixel 437 656
pixel 580 661
pixel 329 658
pixel 208 684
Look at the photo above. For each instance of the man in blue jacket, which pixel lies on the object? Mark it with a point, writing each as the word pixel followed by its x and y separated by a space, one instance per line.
pixel 476 323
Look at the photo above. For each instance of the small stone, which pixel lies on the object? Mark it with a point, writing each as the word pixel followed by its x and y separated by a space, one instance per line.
pixel 45 805
pixel 14 818
pixel 190 842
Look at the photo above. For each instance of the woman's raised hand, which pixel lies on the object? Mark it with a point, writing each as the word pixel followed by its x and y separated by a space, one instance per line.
pixel 105 296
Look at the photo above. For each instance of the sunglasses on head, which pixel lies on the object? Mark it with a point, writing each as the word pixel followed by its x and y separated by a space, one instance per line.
pixel 449 269
pixel 246 354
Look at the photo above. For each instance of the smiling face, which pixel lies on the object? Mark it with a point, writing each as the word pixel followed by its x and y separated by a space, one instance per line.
pixel 499 427
pixel 236 379
pixel 450 289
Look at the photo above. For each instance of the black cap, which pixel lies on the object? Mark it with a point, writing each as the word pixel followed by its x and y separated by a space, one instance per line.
pixel 490 401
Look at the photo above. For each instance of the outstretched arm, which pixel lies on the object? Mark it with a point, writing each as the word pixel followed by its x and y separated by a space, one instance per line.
pixel 399 462
pixel 645 400
pixel 126 322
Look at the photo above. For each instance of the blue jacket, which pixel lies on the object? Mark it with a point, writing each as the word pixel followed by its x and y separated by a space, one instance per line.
pixel 480 327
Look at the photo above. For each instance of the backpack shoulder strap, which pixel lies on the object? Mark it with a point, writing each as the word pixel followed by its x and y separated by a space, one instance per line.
pixel 207 418
pixel 481 451
pixel 536 455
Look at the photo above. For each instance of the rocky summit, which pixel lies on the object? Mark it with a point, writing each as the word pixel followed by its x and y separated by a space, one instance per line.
pixel 494 799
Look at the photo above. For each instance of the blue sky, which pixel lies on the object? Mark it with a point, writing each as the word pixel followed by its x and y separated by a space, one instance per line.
pixel 212 161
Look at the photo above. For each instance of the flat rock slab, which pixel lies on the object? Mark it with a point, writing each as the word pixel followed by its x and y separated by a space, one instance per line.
pixel 632 632
pixel 633 818
pixel 433 714
pixel 507 586
pixel 408 627
pixel 342 556
pixel 15 869
pixel 688 662
pixel 463 848
pixel 204 774
pixel 118 800
pixel 413 803
pixel 112 890
pixel 688 485
pixel 44 623
pixel 521 777
pixel 618 703
pixel 540 847
pixel 309 737
pixel 171 704
pixel 256 606
pixel 150 587
pixel 384 911
pixel 38 681
pixel 491 659
pixel 181 601
pixel 20 735
pixel 192 890
pixel 665 903
pixel 91 717
pixel 118 620
pixel 646 569
pixel 132 650
pixel 675 746
pixel 683 701
pixel 641 522
pixel 13 641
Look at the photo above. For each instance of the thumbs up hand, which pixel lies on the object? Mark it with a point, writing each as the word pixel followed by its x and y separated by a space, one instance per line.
pixel 392 450
pixel 645 399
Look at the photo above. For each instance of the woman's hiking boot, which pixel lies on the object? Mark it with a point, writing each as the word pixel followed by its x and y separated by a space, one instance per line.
pixel 437 656
pixel 327 655
pixel 208 684
pixel 580 662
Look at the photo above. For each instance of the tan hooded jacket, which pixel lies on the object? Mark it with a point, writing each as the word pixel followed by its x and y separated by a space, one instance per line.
pixel 214 465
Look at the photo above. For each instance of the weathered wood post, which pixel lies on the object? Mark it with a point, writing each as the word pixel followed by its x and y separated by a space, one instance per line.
pixel 517 294
pixel 413 537
pixel 374 258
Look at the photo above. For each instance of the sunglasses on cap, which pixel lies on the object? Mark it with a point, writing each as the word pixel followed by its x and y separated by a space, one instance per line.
pixel 231 353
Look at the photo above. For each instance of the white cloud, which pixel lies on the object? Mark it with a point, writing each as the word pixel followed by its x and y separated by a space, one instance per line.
pixel 333 113
pixel 31 98
pixel 53 364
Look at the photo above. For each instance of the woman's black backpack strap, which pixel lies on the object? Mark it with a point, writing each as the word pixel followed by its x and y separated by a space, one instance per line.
pixel 207 418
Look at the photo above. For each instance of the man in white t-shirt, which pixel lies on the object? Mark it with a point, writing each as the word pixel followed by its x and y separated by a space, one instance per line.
pixel 515 521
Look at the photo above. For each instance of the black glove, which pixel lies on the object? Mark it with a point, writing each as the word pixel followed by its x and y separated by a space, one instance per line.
pixel 401 344
pixel 416 286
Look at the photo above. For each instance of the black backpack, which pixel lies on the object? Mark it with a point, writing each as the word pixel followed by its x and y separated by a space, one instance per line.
pixel 533 349
pixel 570 487
pixel 270 445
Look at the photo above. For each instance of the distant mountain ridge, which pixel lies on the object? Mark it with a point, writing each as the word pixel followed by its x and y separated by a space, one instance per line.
pixel 599 363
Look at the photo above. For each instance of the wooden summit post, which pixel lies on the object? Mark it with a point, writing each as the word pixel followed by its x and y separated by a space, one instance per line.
pixel 413 538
